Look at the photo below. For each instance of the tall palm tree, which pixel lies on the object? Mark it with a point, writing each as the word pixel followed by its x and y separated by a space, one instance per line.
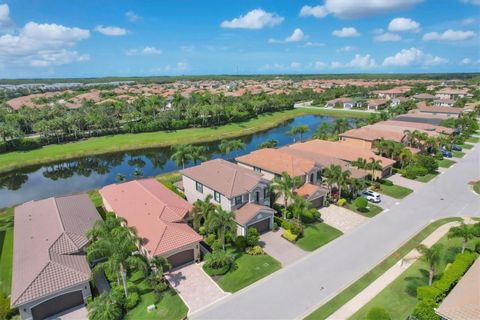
pixel 323 131
pixel 104 307
pixel 342 180
pixel 225 147
pixel 432 257
pixel 332 174
pixel 374 165
pixel 198 153
pixel 160 264
pixel 301 130
pixel 285 185
pixel 360 163
pixel 221 222
pixel 201 210
pixel 405 157
pixel 293 132
pixel 181 154
pixel 300 206
pixel 464 232
pixel 271 143
pixel 340 125
pixel 236 145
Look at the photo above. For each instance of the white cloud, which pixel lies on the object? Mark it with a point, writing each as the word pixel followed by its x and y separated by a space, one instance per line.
pixel 319 65
pixel 295 65
pixel 132 16
pixel 317 11
pixel 312 44
pixel 182 65
pixel 346 32
pixel 413 56
pixel 465 61
pixel 346 49
pixel 143 51
pixel 360 61
pixel 349 9
pixel 111 30
pixel 449 35
pixel 377 31
pixel 336 64
pixel 403 24
pixel 255 19
pixel 42 45
pixel 387 37
pixel 469 21
pixel 296 36
pixel 477 2
pixel 5 21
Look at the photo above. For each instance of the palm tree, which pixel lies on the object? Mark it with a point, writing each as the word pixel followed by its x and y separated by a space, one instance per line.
pixel 432 257
pixel 360 163
pixel 221 222
pixel 225 147
pixel 160 264
pixel 181 154
pixel 301 130
pixel 374 165
pixel 198 153
pixel 285 185
pixel 104 307
pixel 405 157
pixel 236 145
pixel 201 210
pixel 322 131
pixel 462 231
pixel 271 143
pixel 137 172
pixel 342 180
pixel 293 132
pixel 300 206
pixel 340 125
pixel 409 137
pixel 332 174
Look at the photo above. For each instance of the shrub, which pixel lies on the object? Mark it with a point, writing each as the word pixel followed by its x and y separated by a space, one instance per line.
pixel 277 220
pixel 210 239
pixel 428 293
pixel 241 243
pixel 290 236
pixel 252 237
pixel 286 225
pixel 425 310
pixel 255 251
pixel 341 202
pixel 477 247
pixel 310 216
pixel 132 300
pixel 296 227
pixel 202 230
pixel 275 226
pixel 218 259
pixel 386 182
pixel 216 245
pixel 426 162
pixel 378 314
pixel 216 272
pixel 361 203
pixel 413 171
pixel 450 277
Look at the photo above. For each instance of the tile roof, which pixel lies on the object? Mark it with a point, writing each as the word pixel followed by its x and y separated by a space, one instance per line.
pixel 246 213
pixel 156 212
pixel 418 125
pixel 439 109
pixel 308 191
pixel 49 234
pixel 373 133
pixel 275 161
pixel 223 176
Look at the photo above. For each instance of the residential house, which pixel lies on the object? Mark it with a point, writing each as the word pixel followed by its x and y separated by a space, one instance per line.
pixel 432 119
pixel 424 96
pixel 449 93
pixel 408 125
pixel 50 270
pixel 234 188
pixel 444 103
pixel 376 104
pixel 394 102
pixel 449 112
pixel 345 103
pixel 391 93
pixel 159 215
pixel 365 137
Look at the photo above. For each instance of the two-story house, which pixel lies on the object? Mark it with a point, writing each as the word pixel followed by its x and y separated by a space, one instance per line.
pixel 234 188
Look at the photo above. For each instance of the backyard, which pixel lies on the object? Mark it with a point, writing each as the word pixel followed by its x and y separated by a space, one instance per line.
pixel 6 249
pixel 316 235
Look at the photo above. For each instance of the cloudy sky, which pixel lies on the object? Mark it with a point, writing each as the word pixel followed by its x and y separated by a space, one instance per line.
pixel 135 38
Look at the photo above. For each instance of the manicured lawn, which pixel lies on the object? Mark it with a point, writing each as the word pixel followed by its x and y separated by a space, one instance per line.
pixel 247 270
pixel 316 235
pixel 476 187
pixel 371 210
pixel 123 142
pixel 399 297
pixel 426 178
pixel 6 249
pixel 397 192
pixel 445 163
pixel 339 300
pixel 458 154
pixel 473 139
pixel 467 146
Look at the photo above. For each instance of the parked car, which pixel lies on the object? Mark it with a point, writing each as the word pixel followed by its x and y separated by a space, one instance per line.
pixel 446 154
pixel 371 196
pixel 456 148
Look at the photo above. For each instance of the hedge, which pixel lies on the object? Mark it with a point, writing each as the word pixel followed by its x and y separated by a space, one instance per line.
pixel 290 236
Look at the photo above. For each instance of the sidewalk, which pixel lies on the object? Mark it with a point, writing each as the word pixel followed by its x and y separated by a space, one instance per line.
pixel 361 299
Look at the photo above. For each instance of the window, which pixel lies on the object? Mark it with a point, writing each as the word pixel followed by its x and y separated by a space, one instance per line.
pixel 257 169
pixel 319 175
pixel 199 187
pixel 238 200
pixel 257 197
pixel 217 196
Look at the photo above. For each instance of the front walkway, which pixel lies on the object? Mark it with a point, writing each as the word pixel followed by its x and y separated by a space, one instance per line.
pixel 370 292
pixel 340 218
pixel 407 183
pixel 281 249
pixel 195 287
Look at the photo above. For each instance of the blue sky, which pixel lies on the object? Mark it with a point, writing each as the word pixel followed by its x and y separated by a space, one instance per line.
pixel 136 38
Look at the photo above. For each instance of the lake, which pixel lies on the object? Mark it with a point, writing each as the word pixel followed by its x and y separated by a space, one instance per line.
pixel 78 175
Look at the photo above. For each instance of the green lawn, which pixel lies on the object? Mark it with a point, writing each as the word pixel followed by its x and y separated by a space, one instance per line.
pixel 371 210
pixel 467 146
pixel 339 300
pixel 6 249
pixel 399 298
pixel 316 235
pixel 445 163
pixel 247 270
pixel 395 191
pixel 473 139
pixel 426 178
pixel 124 142
pixel 476 187
pixel 458 154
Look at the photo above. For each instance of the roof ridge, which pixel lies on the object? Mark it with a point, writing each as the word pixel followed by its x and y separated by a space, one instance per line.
pixel 66 266
pixel 58 213
pixel 154 197
pixel 161 237
pixel 233 181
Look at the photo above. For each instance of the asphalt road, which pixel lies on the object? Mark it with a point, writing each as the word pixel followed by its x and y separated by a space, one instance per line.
pixel 300 288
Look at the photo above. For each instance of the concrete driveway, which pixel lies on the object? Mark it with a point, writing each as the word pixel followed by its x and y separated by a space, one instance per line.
pixel 280 248
pixel 388 202
pixel 407 183
pixel 195 287
pixel 340 218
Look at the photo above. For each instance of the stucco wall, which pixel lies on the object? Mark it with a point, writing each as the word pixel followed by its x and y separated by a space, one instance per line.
pixel 189 186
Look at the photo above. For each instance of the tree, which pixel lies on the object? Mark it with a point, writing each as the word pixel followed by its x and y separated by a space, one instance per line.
pixel 464 232
pixel 181 154
pixel 271 143
pixel 201 210
pixel 374 165
pixel 198 153
pixel 340 125
pixel 342 180
pixel 285 186
pixel 323 131
pixel 300 207
pixel 332 174
pixel 104 307
pixel 252 237
pixel 301 130
pixel 221 222
pixel 137 172
pixel 236 145
pixel 120 177
pixel 432 257
pixel 405 157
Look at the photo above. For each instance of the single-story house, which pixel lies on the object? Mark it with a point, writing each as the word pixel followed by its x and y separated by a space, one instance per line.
pixel 346 103
pixel 424 96
pixel 50 270
pixel 364 137
pixel 159 215
pixel 434 110
pixel 444 102
pixel 418 126
pixel 233 187
pixel 397 100
pixel 375 104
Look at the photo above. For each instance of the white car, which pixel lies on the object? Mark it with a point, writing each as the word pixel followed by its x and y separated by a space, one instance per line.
pixel 371 196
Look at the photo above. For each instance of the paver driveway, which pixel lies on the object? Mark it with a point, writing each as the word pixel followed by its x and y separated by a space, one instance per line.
pixel 280 248
pixel 340 218
pixel 195 287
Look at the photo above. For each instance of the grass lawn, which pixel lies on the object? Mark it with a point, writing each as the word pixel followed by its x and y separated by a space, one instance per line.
pixel 247 270
pixel 445 163
pixel 399 297
pixel 397 192
pixel 316 235
pixel 476 187
pixel 6 249
pixel 339 300
pixel 473 139
pixel 426 178
pixel 371 210
pixel 169 304
pixel 123 142
pixel 458 154
pixel 467 146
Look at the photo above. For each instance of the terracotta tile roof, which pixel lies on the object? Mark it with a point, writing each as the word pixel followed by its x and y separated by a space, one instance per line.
pixel 373 133
pixel 223 176
pixel 244 214
pixel 311 191
pixel 463 302
pixel 49 234
pixel 275 161
pixel 424 96
pixel 418 125
pixel 155 211
pixel 376 102
pixel 341 151
pixel 439 109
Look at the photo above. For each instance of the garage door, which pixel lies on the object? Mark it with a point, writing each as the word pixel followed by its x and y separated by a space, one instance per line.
pixel 57 305
pixel 317 203
pixel 261 226
pixel 181 258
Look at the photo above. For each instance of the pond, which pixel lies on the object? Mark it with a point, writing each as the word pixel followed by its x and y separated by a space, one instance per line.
pixel 92 172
